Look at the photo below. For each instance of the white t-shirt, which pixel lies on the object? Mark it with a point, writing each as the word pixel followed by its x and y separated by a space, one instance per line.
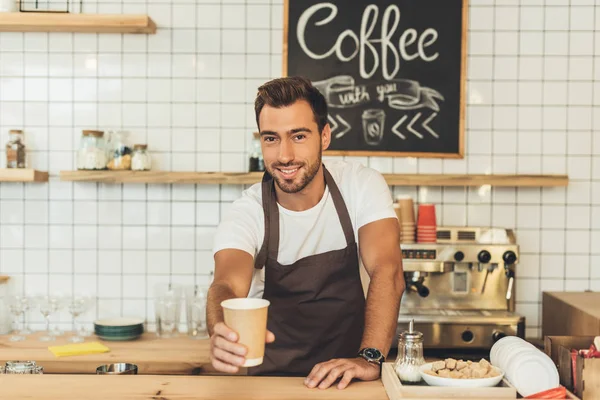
pixel 313 231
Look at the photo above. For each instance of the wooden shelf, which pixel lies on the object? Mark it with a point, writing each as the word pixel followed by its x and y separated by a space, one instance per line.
pixel 85 23
pixel 254 177
pixel 162 177
pixel 22 175
pixel 476 180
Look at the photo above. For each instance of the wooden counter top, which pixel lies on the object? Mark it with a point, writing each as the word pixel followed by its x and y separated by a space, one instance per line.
pixel 152 387
pixel 153 356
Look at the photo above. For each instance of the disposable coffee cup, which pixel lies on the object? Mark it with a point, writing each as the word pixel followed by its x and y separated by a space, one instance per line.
pixel 248 317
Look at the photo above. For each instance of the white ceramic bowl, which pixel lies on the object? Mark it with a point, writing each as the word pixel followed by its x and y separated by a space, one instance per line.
pixel 466 383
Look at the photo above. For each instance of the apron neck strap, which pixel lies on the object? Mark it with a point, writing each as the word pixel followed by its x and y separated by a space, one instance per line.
pixel 340 207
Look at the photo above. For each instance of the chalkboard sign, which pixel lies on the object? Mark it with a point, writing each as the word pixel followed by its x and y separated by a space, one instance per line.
pixel 393 72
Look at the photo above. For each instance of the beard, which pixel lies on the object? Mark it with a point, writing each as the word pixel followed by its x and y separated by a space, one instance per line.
pixel 306 173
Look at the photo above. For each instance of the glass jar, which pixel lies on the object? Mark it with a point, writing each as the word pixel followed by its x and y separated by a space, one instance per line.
pixel 92 151
pixel 410 356
pixel 15 150
pixel 20 367
pixel 256 162
pixel 140 158
pixel 119 157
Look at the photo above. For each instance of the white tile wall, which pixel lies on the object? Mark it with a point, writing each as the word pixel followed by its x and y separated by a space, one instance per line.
pixel 187 91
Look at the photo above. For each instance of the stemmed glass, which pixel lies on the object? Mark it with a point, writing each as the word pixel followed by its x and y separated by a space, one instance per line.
pixel 77 306
pixel 48 305
pixel 18 304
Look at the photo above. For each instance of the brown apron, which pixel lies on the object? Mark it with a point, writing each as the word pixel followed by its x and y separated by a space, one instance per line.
pixel 317 306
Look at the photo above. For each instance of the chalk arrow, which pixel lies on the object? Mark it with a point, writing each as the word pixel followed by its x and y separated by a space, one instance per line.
pixel 395 130
pixel 347 127
pixel 335 122
pixel 410 128
pixel 427 128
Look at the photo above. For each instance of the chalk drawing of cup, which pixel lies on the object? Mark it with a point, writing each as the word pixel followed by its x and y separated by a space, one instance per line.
pixel 373 124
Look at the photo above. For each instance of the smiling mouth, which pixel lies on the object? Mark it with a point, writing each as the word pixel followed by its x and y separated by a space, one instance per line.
pixel 288 173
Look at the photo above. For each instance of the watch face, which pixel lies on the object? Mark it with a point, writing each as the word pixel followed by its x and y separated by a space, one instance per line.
pixel 372 353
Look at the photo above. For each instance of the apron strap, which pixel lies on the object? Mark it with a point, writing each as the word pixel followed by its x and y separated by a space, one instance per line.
pixel 340 207
pixel 267 189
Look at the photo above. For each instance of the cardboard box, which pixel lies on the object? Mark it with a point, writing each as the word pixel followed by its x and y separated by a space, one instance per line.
pixel 586 385
pixel 571 314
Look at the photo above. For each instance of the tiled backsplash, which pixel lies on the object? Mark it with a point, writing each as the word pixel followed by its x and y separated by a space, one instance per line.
pixel 188 92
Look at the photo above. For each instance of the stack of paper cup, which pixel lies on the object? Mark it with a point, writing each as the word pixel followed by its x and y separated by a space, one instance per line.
pixel 407 220
pixel 426 224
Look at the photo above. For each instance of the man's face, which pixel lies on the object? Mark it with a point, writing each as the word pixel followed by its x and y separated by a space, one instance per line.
pixel 292 145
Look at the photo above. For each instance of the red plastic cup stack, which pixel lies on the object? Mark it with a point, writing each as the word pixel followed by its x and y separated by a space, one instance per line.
pixel 426 224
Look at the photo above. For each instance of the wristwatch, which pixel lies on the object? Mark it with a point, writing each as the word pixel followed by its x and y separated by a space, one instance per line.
pixel 373 356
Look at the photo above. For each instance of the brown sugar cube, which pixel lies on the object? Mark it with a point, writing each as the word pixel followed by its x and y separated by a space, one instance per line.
pixel 461 365
pixel 456 374
pixel 450 363
pixel 444 373
pixel 491 373
pixel 478 373
pixel 430 372
pixel 484 364
pixel 436 366
pixel 466 372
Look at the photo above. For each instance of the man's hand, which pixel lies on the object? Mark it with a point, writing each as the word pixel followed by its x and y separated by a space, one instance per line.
pixel 226 354
pixel 325 374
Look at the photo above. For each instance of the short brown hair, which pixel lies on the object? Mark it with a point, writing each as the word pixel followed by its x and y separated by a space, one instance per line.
pixel 283 92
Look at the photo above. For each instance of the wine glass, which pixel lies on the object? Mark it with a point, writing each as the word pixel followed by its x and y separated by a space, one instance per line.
pixel 77 305
pixel 17 305
pixel 48 305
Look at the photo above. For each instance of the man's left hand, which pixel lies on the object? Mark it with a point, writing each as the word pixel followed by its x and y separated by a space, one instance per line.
pixel 325 374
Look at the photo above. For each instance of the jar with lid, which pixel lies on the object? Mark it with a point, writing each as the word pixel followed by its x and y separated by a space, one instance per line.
pixel 92 151
pixel 119 157
pixel 15 150
pixel 410 356
pixel 140 159
pixel 257 163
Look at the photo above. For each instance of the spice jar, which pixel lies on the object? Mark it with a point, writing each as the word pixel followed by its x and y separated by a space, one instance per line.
pixel 119 157
pixel 15 150
pixel 92 151
pixel 140 159
pixel 257 164
pixel 410 356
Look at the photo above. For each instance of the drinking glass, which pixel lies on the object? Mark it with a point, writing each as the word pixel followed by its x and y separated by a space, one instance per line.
pixel 61 303
pixel 48 305
pixel 17 305
pixel 77 305
pixel 196 311
pixel 167 306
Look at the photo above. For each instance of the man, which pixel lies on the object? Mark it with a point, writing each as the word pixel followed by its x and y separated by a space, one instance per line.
pixel 292 240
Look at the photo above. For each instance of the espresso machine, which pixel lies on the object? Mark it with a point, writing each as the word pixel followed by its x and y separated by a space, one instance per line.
pixel 460 290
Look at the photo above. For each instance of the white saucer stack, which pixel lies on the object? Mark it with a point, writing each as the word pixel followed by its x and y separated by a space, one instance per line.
pixel 527 368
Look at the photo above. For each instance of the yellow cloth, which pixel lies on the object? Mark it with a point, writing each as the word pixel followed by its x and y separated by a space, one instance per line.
pixel 77 349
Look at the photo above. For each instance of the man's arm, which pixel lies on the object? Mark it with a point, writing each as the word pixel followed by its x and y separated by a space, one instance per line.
pixel 382 258
pixel 233 276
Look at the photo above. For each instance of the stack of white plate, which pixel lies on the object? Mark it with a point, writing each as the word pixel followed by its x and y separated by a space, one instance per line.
pixel 528 369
